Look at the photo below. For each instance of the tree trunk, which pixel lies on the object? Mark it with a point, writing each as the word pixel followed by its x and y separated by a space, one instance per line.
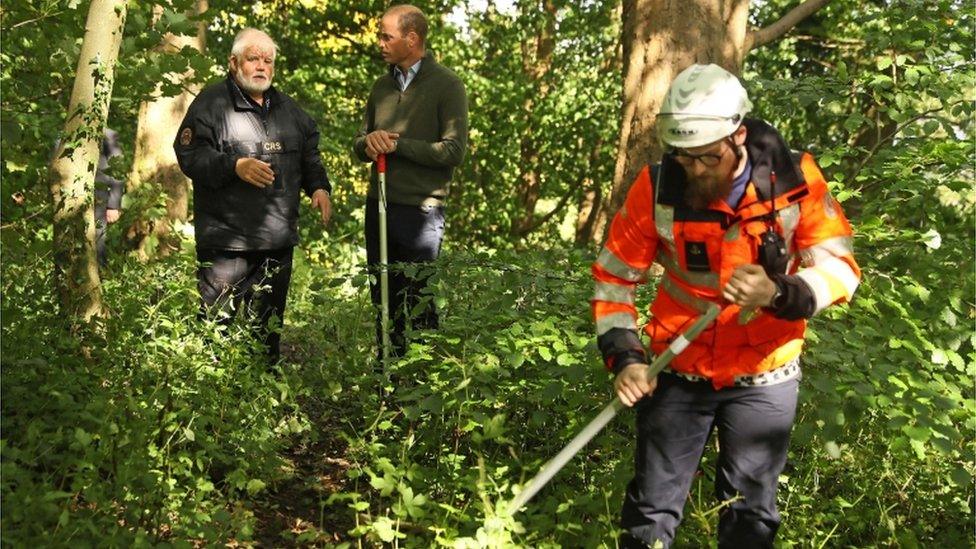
pixel 155 172
pixel 660 39
pixel 655 50
pixel 536 64
pixel 73 167
pixel 588 206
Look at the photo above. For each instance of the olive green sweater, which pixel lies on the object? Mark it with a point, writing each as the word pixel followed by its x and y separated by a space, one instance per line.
pixel 431 116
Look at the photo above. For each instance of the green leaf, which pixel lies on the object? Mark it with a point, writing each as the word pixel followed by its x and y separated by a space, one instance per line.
pixel 833 450
pixel 254 486
pixel 920 434
pixel 82 436
pixel 961 477
pixel 386 530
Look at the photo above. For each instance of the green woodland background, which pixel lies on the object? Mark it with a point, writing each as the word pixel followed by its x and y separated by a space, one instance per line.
pixel 126 431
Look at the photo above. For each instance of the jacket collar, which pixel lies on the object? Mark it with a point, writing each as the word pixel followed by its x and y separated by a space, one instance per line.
pixel 244 103
pixel 770 154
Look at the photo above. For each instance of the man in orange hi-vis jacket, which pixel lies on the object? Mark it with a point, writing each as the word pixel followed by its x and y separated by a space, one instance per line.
pixel 735 218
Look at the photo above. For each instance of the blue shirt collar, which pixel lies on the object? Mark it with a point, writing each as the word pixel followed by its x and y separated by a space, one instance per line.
pixel 739 186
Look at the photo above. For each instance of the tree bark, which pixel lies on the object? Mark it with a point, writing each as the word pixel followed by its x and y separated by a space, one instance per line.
pixel 73 167
pixel 660 39
pixel 536 64
pixel 154 166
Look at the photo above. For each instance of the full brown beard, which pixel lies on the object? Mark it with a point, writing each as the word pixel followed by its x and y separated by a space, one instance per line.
pixel 700 193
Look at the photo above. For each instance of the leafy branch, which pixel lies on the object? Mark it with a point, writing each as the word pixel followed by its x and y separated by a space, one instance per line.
pixel 877 145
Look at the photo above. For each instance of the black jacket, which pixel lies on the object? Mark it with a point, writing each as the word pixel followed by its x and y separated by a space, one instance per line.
pixel 223 125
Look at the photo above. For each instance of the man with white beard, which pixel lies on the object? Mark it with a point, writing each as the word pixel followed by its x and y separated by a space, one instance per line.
pixel 250 151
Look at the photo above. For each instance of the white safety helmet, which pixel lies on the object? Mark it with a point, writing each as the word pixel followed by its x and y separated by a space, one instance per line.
pixel 704 104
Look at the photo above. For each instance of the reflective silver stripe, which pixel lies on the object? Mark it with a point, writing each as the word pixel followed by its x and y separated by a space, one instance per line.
pixel 617 267
pixel 841 270
pixel 789 218
pixel 784 373
pixel 616 293
pixel 664 222
pixel 822 295
pixel 683 297
pixel 708 280
pixel 615 320
pixel 839 246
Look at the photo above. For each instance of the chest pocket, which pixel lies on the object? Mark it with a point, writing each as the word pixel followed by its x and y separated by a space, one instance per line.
pixel 284 154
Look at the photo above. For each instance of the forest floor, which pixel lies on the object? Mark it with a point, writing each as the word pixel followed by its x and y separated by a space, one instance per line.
pixel 292 511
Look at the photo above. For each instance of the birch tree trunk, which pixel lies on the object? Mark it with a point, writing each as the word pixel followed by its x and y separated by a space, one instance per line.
pixel 73 167
pixel 154 162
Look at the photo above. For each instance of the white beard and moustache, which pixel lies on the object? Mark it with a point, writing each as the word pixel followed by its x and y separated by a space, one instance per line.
pixel 250 86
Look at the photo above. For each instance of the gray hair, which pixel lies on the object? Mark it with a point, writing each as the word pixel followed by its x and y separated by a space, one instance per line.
pixel 251 37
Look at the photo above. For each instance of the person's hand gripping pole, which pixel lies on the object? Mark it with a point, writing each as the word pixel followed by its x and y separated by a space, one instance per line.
pixel 553 466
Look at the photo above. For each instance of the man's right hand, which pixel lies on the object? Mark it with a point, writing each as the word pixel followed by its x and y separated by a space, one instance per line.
pixel 632 383
pixel 254 171
pixel 380 142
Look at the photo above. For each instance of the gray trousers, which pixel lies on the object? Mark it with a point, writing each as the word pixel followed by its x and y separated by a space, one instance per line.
pixel 673 427
pixel 101 226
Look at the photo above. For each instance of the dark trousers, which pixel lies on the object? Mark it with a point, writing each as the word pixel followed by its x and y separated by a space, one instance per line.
pixel 253 283
pixel 673 427
pixel 414 235
pixel 101 226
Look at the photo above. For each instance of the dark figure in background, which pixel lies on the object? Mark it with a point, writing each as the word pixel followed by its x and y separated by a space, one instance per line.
pixel 417 115
pixel 108 192
pixel 250 151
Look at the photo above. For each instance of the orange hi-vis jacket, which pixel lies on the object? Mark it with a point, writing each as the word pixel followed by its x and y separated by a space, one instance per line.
pixel 700 249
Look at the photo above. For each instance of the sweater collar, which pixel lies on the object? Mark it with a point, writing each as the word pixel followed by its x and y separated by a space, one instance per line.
pixel 425 67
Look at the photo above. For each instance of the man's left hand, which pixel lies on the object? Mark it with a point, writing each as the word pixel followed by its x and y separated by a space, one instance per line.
pixel 111 216
pixel 320 200
pixel 749 287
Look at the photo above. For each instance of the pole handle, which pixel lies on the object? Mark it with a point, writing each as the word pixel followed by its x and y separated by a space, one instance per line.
pixel 381 163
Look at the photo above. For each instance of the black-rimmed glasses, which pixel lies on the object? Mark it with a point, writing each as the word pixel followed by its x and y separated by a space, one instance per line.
pixel 709 160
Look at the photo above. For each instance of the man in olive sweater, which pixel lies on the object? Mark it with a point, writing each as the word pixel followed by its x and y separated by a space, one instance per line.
pixel 417 115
